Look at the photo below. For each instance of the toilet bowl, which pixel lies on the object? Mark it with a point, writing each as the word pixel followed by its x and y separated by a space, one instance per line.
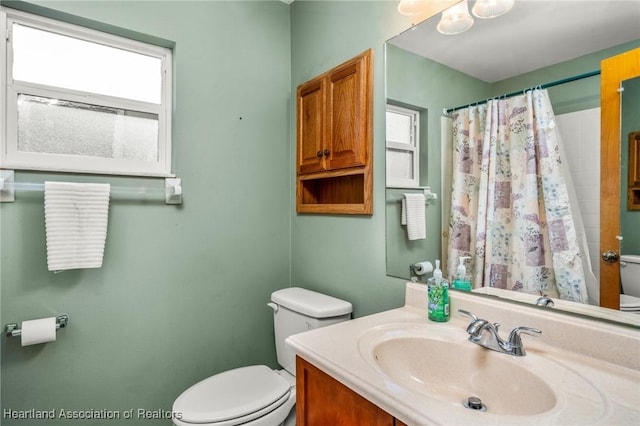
pixel 630 280
pixel 257 395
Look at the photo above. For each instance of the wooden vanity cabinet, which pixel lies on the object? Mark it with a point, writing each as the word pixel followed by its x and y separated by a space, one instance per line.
pixel 321 400
pixel 334 140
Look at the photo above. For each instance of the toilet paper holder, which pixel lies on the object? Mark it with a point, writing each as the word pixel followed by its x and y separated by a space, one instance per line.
pixel 12 330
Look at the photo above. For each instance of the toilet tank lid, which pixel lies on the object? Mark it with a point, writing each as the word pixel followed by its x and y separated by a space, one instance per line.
pixel 631 258
pixel 311 303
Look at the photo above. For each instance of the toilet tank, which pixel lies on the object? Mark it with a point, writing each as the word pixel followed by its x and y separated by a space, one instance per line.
pixel 296 310
pixel 630 274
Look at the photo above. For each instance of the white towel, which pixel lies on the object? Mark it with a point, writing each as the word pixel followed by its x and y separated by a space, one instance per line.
pixel 413 215
pixel 76 217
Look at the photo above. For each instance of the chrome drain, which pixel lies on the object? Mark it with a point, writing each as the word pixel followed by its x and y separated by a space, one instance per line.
pixel 475 403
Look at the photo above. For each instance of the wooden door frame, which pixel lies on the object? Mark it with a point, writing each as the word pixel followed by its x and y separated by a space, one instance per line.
pixel 614 71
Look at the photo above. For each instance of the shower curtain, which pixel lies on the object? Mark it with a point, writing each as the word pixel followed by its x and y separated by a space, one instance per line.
pixel 510 208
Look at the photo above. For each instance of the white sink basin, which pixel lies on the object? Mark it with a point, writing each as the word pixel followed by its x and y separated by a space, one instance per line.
pixel 578 372
pixel 439 363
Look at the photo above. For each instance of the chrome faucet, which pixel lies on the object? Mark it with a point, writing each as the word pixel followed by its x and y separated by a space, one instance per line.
pixel 545 301
pixel 483 333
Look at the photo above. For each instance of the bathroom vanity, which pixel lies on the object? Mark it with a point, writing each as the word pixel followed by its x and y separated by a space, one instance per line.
pixel 322 400
pixel 397 367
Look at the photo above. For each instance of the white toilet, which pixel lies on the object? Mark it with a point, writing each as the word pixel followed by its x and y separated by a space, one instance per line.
pixel 257 395
pixel 630 280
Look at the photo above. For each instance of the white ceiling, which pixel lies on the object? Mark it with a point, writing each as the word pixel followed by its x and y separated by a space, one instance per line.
pixel 532 35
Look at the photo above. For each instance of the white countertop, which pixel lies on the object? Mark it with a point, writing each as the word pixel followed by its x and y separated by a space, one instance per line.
pixel 614 376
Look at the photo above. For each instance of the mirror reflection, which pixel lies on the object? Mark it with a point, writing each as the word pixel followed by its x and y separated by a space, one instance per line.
pixel 630 167
pixel 629 206
pixel 430 72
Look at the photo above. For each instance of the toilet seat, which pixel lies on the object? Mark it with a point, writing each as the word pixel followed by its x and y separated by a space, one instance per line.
pixel 629 303
pixel 233 397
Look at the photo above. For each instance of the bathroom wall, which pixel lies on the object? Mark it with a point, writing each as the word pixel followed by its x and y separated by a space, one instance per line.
pixel 345 255
pixel 415 80
pixel 183 290
pixel 580 133
pixel 575 96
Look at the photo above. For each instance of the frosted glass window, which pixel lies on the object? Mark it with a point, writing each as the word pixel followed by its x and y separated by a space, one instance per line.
pixel 72 128
pixel 52 59
pixel 400 166
pixel 399 127
pixel 80 100
pixel 402 146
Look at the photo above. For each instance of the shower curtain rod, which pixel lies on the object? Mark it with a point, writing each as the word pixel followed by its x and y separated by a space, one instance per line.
pixel 540 86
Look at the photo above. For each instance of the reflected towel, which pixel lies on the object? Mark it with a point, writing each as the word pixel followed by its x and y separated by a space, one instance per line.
pixel 413 215
pixel 76 217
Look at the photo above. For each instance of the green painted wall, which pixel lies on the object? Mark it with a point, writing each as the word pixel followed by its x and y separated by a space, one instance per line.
pixel 182 292
pixel 419 82
pixel 575 96
pixel 344 255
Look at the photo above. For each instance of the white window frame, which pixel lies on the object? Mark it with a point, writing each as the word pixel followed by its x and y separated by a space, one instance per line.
pixel 413 147
pixel 11 158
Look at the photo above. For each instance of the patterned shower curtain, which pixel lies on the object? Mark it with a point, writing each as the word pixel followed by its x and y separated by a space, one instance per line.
pixel 510 207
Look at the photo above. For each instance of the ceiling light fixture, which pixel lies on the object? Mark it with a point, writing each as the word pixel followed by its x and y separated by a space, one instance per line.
pixel 411 7
pixel 456 19
pixel 486 9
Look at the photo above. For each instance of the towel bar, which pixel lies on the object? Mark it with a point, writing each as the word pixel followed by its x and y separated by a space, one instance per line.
pixel 428 195
pixel 172 190
pixel 12 330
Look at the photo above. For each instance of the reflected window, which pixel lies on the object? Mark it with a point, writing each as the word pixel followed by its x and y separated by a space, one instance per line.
pixel 402 146
pixel 80 100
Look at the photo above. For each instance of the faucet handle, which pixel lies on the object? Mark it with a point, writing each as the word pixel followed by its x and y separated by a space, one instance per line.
pixel 516 343
pixel 514 336
pixel 467 314
pixel 527 330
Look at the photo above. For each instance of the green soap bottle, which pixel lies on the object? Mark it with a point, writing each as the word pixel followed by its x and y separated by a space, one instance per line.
pixel 462 280
pixel 438 290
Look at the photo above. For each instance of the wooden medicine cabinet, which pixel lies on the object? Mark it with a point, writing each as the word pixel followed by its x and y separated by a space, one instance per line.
pixel 334 130
pixel 633 196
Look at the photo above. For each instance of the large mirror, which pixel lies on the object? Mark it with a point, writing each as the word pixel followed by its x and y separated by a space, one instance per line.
pixel 535 43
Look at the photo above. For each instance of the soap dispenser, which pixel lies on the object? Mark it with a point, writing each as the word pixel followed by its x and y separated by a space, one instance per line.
pixel 438 291
pixel 462 280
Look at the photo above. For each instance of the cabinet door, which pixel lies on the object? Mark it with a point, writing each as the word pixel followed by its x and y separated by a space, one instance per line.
pixel 347 114
pixel 634 159
pixel 322 400
pixel 310 124
pixel 633 186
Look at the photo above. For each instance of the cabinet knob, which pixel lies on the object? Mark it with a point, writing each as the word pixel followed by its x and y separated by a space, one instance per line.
pixel 326 152
pixel 319 154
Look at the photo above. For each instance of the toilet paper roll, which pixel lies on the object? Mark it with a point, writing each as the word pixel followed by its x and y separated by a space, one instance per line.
pixel 38 331
pixel 422 268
